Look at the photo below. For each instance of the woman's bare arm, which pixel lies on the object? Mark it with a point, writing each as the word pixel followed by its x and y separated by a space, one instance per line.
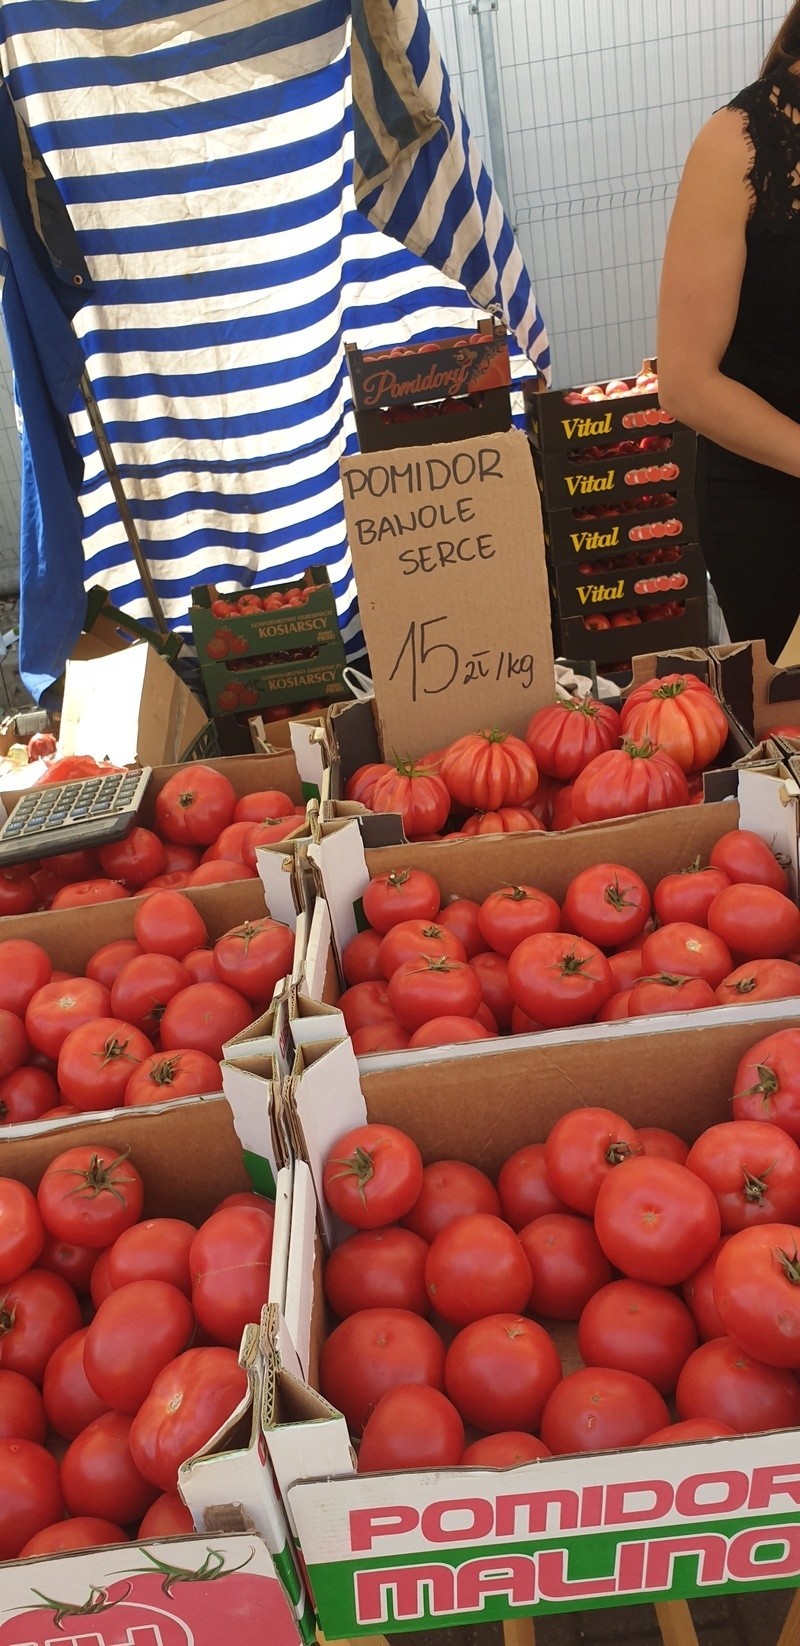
pixel 700 289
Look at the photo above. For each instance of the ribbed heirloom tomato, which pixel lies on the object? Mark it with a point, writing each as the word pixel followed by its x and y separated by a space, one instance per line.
pixel 420 797
pixel 636 778
pixel 489 769
pixel 566 736
pixel 682 715
pixel 373 1176
pixel 505 820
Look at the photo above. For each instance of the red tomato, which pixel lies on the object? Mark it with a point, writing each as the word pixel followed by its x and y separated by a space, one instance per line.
pixel 229 1261
pixel 651 996
pixel 506 820
pixel 361 958
pixel 13 1043
pixel 199 963
pixel 267 834
pixel 756 922
pixel 756 1292
pixel 516 912
pixel 461 918
pixel 698 1294
pixel 203 1018
pixel 746 858
pixel 419 796
pixel 753 1171
pixel 492 974
pixel 69 1399
pixel 155 1250
pixel 626 968
pixel 412 939
pixel 21 1229
pixel 374 1176
pixel 89 1194
pixel 405 894
pixel 559 980
pixel 412 1427
pixel 99 1476
pixel 74 1264
pixel 501 1371
pixel 662 1144
pixel 168 1075
pixel 253 808
pixel 686 897
pixel 566 1262
pixel 37 1311
pixel 607 904
pixel 178 880
pixel 59 1008
pixel 24 969
pixel 477 1266
pixel 380 1037
pixel 722 1382
pixel 680 714
pixel 450 1031
pixel 375 1269
pixel 30 1494
pixel 84 894
pixel 220 874
pixel 450 1189
pixel 766 1085
pixel 683 950
pixel 194 806
pixel 521 1023
pixel 759 980
pixel 694 1428
pixel 18 893
pixel 97 1060
pixel 22 1414
pixel 620 782
pixel 190 1400
pixel 254 957
pixel 366 1004
pixel 141 991
pixel 656 1221
pixel 637 1328
pixel 107 963
pixel 75 866
pixel 228 848
pixel 615 1008
pixel 569 733
pixel 489 769
pixel 583 1148
pixel 81 1532
pixel 504 1451
pixel 524 1187
pixel 168 1517
pixel 374 1351
pixel 100 1286
pixel 180 859
pixel 136 1332
pixel 599 1409
pixel 422 989
pixel 167 923
pixel 134 860
pixel 359 787
pixel 248 1197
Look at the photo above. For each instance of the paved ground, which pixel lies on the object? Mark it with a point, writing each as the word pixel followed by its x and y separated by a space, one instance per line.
pixel 756 1620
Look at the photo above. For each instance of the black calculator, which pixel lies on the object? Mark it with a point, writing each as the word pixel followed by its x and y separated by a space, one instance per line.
pixel 73 817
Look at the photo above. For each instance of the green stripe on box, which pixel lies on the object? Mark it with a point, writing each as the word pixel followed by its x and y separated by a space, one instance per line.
pixel 287 1572
pixel 307 1624
pixel 362 923
pixel 260 1173
pixel 310 791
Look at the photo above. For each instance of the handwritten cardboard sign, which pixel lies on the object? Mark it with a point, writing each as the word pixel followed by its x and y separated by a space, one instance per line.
pixel 448 553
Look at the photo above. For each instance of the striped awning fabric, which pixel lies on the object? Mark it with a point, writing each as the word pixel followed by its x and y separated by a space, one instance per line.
pixel 211 158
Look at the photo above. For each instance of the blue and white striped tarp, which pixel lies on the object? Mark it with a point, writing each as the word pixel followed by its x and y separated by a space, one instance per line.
pixel 206 157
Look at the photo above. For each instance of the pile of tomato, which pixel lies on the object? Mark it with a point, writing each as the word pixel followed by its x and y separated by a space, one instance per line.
pixel 146 1023
pixel 273 600
pixel 202 835
pixel 580 762
pixel 679 1266
pixel 427 974
pixel 118 1350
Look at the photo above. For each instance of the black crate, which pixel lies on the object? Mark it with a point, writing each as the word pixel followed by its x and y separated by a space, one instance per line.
pixel 609 647
pixel 609 585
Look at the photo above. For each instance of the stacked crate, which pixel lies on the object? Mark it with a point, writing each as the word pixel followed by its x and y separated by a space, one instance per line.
pixel 616 475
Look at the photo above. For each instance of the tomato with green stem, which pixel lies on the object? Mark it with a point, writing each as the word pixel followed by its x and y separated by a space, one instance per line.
pixel 403 894
pixel 97 1060
pixel 417 794
pixel 636 778
pixel 688 895
pixel 652 996
pixel 411 939
pixel 168 1075
pixel 254 957
pixel 759 980
pixel 757 1292
pixel 583 1147
pixel 684 950
pixel 89 1194
pixel 426 988
pixel 559 980
pixel 513 913
pixel 373 1176
pixel 766 1085
pixel 37 1311
pixel 607 904
pixel 753 1171
pixel 567 734
pixel 141 991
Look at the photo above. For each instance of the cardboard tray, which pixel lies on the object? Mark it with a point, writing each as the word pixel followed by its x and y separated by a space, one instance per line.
pixel 292 655
pixel 190 1160
pixel 576 1533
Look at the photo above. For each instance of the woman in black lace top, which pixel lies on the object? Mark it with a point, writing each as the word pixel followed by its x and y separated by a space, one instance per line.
pixel 729 343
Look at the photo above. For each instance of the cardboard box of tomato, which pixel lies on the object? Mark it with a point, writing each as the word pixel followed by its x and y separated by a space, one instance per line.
pixel 612 646
pixel 238 1569
pixel 604 531
pixel 451 389
pixel 276 644
pixel 403 1552
pixel 560 420
pixel 616 471
pixel 655 577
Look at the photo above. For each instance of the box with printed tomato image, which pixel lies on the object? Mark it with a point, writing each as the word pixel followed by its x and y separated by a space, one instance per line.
pixel 269 646
pixel 625 582
pixel 136 1497
pixel 637 526
pixel 450 389
pixel 671 625
pixel 509 1463
pixel 620 471
pixel 560 420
